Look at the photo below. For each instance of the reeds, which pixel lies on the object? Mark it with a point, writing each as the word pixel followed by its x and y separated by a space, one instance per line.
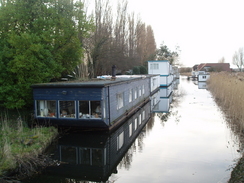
pixel 228 90
pixel 19 143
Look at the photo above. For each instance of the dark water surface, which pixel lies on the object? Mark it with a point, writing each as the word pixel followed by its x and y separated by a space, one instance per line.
pixel 192 143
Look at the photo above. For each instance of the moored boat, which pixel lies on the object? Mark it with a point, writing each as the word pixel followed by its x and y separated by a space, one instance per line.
pixel 102 103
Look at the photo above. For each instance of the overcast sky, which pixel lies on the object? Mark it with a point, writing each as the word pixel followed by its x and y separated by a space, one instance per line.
pixel 205 30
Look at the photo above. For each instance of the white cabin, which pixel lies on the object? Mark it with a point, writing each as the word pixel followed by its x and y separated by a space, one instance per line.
pixel 163 68
pixel 203 77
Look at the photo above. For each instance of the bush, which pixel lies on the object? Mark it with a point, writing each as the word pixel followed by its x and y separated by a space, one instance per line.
pixel 136 70
pixel 143 69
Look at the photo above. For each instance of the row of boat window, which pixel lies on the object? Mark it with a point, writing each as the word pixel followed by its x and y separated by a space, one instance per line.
pixel 67 109
pixel 138 91
pixel 154 66
pixel 86 109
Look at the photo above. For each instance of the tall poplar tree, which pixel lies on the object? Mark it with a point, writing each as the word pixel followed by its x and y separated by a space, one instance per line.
pixel 39 41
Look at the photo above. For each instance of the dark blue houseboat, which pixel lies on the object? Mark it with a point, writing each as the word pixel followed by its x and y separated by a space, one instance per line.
pixel 99 103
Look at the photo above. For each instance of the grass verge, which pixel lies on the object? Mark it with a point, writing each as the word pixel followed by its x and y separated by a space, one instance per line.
pixel 20 144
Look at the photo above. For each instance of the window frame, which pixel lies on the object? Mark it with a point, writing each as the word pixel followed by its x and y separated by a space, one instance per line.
pixel 130 95
pixel 67 116
pixel 120 100
pixel 46 109
pixel 91 114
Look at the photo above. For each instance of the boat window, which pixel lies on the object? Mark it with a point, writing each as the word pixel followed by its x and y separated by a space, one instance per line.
pixel 120 140
pixel 143 115
pixel 135 93
pixel 130 129
pixel 154 83
pixel 67 109
pixel 90 156
pixel 97 157
pixel 154 66
pixel 84 109
pixel 154 100
pixel 120 100
pixel 143 89
pixel 139 91
pixel 68 154
pixel 130 95
pixel 135 122
pixel 85 156
pixel 46 108
pixel 96 109
pixel 104 109
pixel 139 119
pixel 90 109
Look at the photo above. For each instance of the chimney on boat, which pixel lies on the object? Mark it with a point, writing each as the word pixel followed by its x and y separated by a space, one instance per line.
pixel 113 73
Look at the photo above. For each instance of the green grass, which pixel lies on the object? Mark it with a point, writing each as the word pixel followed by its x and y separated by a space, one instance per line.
pixel 18 143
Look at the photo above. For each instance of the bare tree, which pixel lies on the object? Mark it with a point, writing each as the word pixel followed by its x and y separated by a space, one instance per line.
pixel 150 44
pixel 222 60
pixel 141 41
pixel 102 38
pixel 238 58
pixel 120 48
pixel 119 40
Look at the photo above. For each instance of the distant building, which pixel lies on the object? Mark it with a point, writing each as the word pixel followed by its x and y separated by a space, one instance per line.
pixel 208 67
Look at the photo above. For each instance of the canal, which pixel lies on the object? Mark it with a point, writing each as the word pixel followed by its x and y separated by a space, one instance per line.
pixel 192 142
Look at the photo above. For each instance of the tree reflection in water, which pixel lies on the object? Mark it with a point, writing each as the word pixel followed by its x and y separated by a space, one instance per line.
pixel 137 146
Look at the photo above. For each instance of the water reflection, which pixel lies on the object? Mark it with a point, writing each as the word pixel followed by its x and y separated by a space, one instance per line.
pixel 202 85
pixel 94 156
pixel 165 98
pixel 186 144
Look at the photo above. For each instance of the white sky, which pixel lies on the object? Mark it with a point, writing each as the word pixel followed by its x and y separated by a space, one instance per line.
pixel 205 30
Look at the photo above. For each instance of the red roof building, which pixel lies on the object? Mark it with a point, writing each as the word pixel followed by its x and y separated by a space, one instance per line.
pixel 214 67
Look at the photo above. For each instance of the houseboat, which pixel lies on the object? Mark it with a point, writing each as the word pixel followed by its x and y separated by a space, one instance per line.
pixel 168 75
pixel 164 69
pixel 203 76
pixel 102 103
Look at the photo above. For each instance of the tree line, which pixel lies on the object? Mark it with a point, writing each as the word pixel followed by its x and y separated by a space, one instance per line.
pixel 43 40
pixel 119 39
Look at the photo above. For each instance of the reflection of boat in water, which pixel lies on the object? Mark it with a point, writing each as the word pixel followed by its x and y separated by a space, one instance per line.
pixel 94 156
pixel 202 85
pixel 163 105
pixel 166 97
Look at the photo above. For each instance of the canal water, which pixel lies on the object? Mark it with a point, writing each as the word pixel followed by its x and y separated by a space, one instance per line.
pixel 192 142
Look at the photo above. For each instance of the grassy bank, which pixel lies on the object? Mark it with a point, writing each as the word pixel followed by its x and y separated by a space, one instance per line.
pixel 20 146
pixel 227 89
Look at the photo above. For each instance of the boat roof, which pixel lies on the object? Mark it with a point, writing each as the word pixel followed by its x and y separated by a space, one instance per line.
pixel 100 81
